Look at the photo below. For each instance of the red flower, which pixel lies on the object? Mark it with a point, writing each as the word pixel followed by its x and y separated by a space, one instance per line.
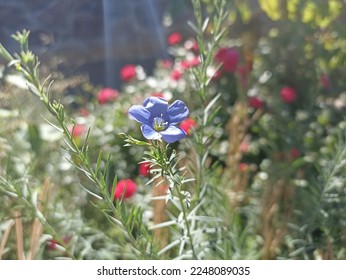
pixel 243 166
pixel 176 75
pixel 186 64
pixel 128 72
pixel 229 58
pixel 126 188
pixel 158 94
pixel 217 75
pixel 294 153
pixel 78 130
pixel 144 169
pixel 288 94
pixel 256 102
pixel 107 94
pixel 174 38
pixel 52 244
pixel 187 125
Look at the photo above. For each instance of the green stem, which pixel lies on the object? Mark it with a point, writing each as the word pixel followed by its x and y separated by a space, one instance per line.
pixel 184 210
pixel 170 174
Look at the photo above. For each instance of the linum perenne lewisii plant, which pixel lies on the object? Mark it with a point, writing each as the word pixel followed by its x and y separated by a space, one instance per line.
pixel 159 119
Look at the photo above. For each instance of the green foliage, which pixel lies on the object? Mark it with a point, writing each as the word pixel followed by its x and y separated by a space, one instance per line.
pixel 259 176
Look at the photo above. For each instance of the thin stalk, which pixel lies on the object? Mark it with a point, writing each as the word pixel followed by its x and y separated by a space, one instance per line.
pixel 19 236
pixel 5 237
pixel 184 210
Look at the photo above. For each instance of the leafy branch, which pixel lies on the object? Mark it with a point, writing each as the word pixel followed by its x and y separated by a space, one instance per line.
pixel 27 64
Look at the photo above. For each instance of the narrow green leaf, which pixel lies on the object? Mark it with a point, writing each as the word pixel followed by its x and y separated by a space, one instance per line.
pixel 53 125
pixel 205 24
pixel 193 27
pixel 91 192
pixel 5 54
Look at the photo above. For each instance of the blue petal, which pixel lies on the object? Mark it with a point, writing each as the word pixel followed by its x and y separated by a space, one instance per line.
pixel 149 133
pixel 172 134
pixel 140 114
pixel 177 112
pixel 156 106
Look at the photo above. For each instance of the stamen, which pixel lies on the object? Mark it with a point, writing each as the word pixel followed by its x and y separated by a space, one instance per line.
pixel 159 123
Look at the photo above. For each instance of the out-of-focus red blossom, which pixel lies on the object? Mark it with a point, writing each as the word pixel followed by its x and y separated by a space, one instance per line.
pixel 217 75
pixel 244 147
pixel 187 125
pixel 243 73
pixel 128 72
pixel 78 130
pixel 186 64
pixel 106 95
pixel 243 166
pixel 144 169
pixel 52 244
pixel 126 188
pixel 294 153
pixel 174 38
pixel 84 112
pixel 191 45
pixel 325 82
pixel 256 102
pixel 158 94
pixel 195 61
pixel 176 75
pixel 288 94
pixel 167 63
pixel 228 58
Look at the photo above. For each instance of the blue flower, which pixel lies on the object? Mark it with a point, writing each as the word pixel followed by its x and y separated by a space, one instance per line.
pixel 158 119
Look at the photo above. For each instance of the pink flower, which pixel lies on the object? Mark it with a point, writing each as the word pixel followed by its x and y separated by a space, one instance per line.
pixel 191 45
pixel 294 153
pixel 186 64
pixel 256 102
pixel 84 112
pixel 176 75
pixel 288 94
pixel 187 125
pixel 167 63
pixel 77 131
pixel 244 147
pixel 174 38
pixel 195 61
pixel 228 58
pixel 128 72
pixel 144 169
pixel 106 95
pixel 126 188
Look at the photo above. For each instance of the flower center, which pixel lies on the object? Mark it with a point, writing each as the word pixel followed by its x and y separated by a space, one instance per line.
pixel 159 124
